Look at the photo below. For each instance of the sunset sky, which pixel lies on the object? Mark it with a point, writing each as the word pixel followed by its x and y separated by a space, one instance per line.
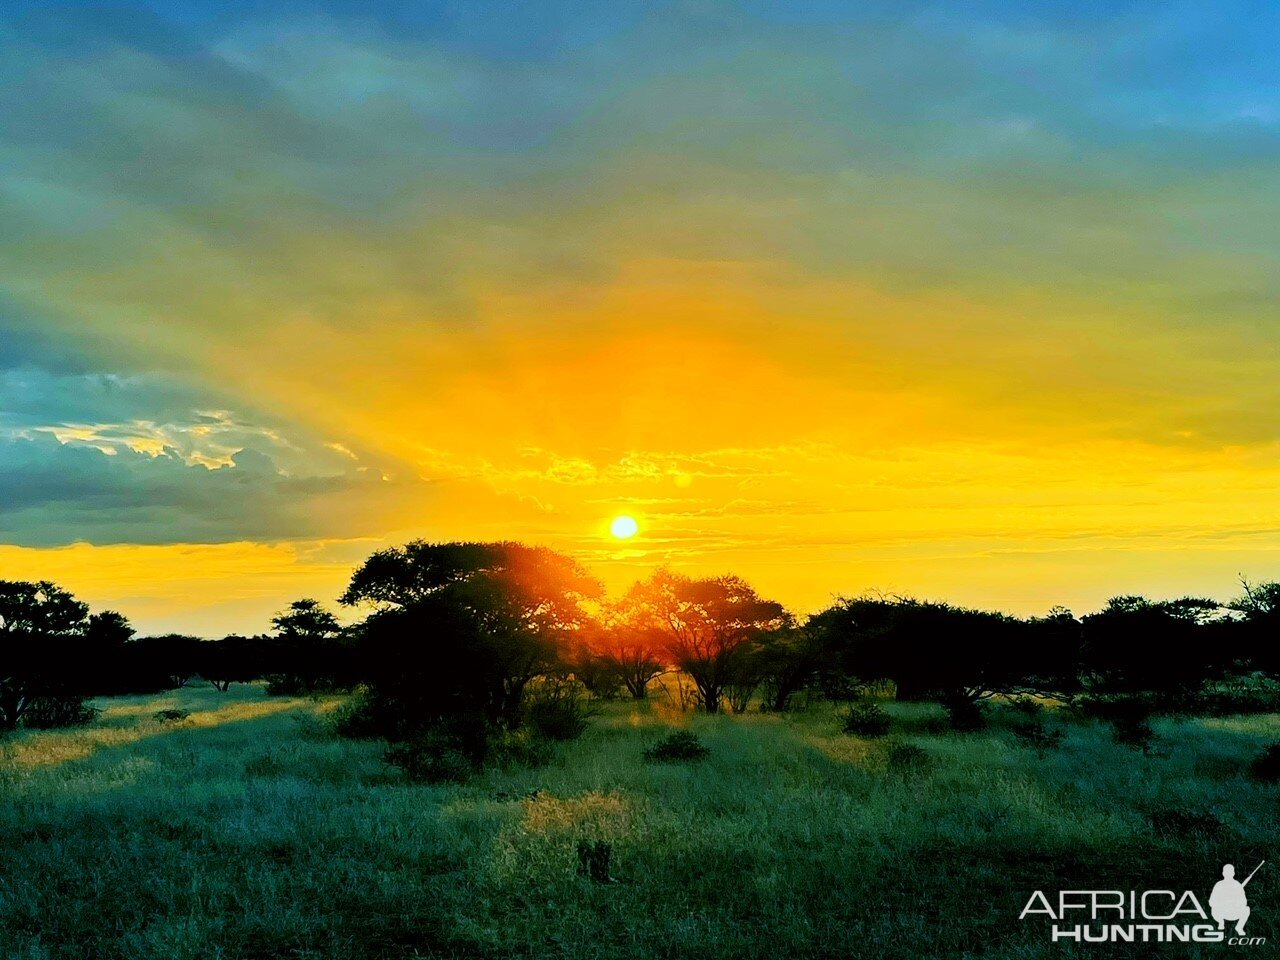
pixel 975 301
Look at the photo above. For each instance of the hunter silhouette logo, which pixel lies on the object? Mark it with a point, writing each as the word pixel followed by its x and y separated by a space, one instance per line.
pixel 1149 916
pixel 1228 900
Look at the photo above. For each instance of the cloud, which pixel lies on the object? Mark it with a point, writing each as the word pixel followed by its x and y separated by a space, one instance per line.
pixel 105 459
pixel 56 492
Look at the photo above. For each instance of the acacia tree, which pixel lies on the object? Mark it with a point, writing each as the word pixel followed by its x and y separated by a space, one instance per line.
pixel 635 655
pixel 464 627
pixel 933 650
pixel 38 622
pixel 306 619
pixel 109 628
pixel 161 662
pixel 709 626
pixel 1127 644
pixel 1260 607
pixel 789 661
pixel 628 646
pixel 306 652
pixel 233 659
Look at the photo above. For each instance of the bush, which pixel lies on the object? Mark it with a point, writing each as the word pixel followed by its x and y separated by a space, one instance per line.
pixel 904 757
pixel 1134 732
pixel 520 748
pixel 964 715
pixel 432 758
pixel 677 747
pixel 1129 717
pixel 1027 707
pixel 50 713
pixel 1266 768
pixel 171 716
pixel 559 718
pixel 1041 739
pixel 865 720
pixel 284 685
pixel 1248 694
pixel 366 717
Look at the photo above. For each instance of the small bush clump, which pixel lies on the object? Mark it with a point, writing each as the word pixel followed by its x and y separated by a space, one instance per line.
pixel 1134 732
pixel 865 720
pixel 965 715
pixel 284 685
pixel 1027 707
pixel 362 717
pixel 905 757
pixel 432 758
pixel 1037 736
pixel 677 747
pixel 1255 693
pixel 519 748
pixel 171 715
pixel 1266 768
pixel 560 718
pixel 1129 717
pixel 51 713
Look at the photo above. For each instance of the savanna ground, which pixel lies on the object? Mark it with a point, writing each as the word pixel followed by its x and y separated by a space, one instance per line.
pixel 250 830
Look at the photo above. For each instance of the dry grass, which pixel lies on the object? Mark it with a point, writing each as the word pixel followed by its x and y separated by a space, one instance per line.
pixel 249 831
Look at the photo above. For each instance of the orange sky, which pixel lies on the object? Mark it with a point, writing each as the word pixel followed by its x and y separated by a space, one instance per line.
pixel 341 285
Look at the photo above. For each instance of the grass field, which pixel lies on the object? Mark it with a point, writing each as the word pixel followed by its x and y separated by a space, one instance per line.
pixel 251 831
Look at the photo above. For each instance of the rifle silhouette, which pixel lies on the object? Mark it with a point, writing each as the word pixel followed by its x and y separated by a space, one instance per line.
pixel 1250 876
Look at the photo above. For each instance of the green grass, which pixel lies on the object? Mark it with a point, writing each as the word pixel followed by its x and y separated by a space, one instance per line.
pixel 250 831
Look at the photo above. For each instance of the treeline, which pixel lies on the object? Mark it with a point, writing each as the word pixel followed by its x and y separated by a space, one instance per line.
pixel 486 639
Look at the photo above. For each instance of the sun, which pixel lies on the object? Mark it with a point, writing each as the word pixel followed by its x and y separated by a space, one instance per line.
pixel 624 528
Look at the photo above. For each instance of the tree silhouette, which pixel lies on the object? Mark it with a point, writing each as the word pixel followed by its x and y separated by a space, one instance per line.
pixel 306 619
pixel 708 626
pixel 1260 607
pixel 1169 647
pixel 307 652
pixel 39 625
pixel 464 627
pixel 928 650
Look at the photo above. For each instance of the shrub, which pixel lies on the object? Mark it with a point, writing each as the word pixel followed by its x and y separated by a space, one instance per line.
pixel 904 757
pixel 965 715
pixel 1266 768
pixel 1134 732
pixel 838 687
pixel 865 720
pixel 1027 707
pixel 49 713
pixel 1037 736
pixel 171 716
pixel 432 758
pixel 1248 694
pixel 1129 717
pixel 521 748
pixel 284 685
pixel 365 717
pixel 677 747
pixel 559 718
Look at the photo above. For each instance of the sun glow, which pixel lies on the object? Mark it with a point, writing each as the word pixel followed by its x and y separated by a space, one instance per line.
pixel 624 528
